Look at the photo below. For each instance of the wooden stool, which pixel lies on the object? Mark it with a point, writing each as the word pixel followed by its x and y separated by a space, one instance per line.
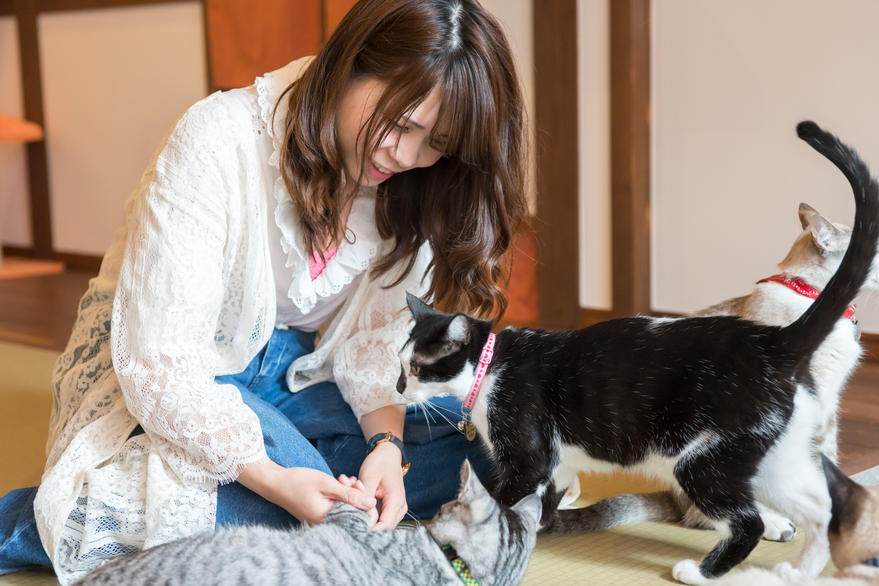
pixel 13 130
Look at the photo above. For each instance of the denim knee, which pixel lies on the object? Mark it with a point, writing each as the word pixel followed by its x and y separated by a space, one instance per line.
pixel 20 546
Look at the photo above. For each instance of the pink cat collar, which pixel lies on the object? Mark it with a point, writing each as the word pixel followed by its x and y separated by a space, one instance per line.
pixel 806 290
pixel 484 361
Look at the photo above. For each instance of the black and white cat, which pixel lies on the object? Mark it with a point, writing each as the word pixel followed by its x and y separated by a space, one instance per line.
pixel 718 407
pixel 778 300
pixel 472 536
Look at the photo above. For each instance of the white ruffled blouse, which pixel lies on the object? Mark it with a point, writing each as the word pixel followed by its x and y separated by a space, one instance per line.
pixel 186 292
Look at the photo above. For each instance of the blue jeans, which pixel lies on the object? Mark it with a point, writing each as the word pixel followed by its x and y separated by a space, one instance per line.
pixel 313 428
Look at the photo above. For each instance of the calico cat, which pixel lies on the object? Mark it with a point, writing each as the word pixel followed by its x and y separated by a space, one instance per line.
pixel 853 534
pixel 718 407
pixel 473 535
pixel 778 300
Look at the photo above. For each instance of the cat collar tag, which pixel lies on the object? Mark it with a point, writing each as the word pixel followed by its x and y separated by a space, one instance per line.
pixel 466 424
pixel 466 427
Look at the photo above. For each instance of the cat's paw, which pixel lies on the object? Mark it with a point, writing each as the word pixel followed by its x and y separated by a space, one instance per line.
pixel 687 571
pixel 777 528
pixel 788 573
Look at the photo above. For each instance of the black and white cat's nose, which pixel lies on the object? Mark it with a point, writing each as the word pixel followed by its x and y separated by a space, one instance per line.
pixel 401 382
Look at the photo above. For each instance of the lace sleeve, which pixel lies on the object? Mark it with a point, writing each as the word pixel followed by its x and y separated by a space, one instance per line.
pixel 366 365
pixel 172 285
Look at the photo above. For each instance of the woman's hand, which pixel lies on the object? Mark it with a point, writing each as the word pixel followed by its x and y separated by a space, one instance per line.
pixel 305 493
pixel 354 481
pixel 382 471
pixel 382 476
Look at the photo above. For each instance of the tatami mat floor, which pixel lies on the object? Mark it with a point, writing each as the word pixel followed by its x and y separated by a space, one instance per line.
pixel 639 554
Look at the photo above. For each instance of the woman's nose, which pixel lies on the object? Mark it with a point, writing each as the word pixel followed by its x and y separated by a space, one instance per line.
pixel 405 152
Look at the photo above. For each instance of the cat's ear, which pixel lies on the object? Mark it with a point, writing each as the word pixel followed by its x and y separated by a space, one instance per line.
pixel 846 496
pixel 471 487
pixel 419 308
pixel 459 331
pixel 531 507
pixel 826 236
pixel 806 212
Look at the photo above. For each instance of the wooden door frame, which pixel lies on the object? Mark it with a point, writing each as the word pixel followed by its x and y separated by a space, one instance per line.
pixel 555 57
pixel 555 113
pixel 630 156
pixel 26 13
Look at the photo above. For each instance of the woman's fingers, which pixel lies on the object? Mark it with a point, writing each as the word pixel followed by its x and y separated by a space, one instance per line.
pixel 339 491
pixel 393 510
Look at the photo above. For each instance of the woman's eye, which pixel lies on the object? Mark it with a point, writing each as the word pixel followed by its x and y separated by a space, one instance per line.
pixel 401 128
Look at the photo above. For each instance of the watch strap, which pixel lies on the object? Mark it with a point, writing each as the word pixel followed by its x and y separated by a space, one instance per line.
pixel 391 438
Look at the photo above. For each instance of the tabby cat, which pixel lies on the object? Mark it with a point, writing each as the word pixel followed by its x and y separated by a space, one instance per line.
pixel 472 534
pixel 717 407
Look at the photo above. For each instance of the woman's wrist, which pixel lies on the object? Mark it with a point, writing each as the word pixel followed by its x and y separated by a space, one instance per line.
pixel 385 419
pixel 258 478
pixel 387 448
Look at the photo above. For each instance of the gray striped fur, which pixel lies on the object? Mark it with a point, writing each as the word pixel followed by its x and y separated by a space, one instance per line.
pixel 494 540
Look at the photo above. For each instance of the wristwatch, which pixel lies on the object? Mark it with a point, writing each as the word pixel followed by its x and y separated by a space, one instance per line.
pixel 388 437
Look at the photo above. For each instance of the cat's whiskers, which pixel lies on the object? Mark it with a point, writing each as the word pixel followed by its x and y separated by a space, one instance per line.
pixel 446 409
pixel 427 419
pixel 437 411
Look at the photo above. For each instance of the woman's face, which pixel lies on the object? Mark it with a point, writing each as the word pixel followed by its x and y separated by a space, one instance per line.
pixel 407 146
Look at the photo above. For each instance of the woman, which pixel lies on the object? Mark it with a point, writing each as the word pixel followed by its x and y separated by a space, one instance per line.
pixel 191 393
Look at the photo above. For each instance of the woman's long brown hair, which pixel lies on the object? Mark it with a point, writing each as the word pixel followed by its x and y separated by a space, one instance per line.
pixel 469 204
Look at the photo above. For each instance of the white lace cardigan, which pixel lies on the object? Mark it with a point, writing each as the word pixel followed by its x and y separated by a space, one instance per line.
pixel 186 293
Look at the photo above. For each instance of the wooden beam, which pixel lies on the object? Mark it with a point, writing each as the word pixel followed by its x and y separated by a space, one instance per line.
pixel 555 112
pixel 73 260
pixel 206 41
pixel 26 13
pixel 630 155
pixel 65 5
pixel 37 167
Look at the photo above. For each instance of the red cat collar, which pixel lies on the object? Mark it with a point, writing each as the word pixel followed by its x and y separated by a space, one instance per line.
pixel 467 407
pixel 806 290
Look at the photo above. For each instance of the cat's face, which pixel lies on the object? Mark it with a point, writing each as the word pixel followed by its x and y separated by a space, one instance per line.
pixel 436 359
pixel 854 526
pixel 458 521
pixel 484 532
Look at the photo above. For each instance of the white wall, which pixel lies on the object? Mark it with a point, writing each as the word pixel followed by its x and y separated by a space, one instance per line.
pixel 516 16
pixel 14 200
pixel 730 82
pixel 114 81
pixel 593 66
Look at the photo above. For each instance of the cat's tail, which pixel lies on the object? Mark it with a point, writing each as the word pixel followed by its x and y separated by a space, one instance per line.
pixel 808 332
pixel 618 510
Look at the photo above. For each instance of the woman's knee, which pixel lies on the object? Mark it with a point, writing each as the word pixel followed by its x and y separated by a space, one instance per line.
pixel 284 443
pixel 20 546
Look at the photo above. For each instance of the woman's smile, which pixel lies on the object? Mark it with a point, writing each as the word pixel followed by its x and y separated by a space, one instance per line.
pixel 379 172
